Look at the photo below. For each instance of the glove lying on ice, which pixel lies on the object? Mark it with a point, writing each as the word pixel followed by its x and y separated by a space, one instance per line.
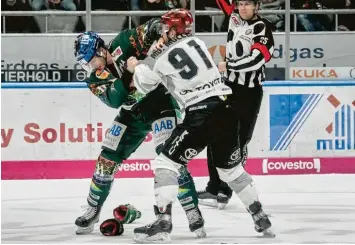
pixel 126 213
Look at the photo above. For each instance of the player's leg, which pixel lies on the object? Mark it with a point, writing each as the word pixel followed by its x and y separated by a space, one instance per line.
pixel 217 193
pixel 230 169
pixel 166 116
pixel 187 140
pixel 125 135
pixel 248 102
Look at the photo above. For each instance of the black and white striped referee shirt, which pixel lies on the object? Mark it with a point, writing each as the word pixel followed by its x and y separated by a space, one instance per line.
pixel 250 45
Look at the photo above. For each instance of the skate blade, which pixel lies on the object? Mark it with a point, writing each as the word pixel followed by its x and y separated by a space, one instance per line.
pixel 268 233
pixel 221 206
pixel 162 237
pixel 84 230
pixel 200 232
pixel 210 203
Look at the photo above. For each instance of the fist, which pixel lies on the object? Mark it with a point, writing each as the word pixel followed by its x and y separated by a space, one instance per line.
pixel 132 62
pixel 222 66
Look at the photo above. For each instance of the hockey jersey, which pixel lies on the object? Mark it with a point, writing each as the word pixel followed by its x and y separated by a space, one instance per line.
pixel 250 45
pixel 112 85
pixel 186 69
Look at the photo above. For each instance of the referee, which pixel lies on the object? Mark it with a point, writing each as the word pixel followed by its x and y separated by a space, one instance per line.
pixel 250 45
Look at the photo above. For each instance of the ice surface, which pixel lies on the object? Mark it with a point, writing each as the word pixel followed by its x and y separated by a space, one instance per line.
pixel 304 209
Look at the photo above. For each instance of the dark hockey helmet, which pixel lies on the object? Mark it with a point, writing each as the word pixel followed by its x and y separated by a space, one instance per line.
pixel 179 19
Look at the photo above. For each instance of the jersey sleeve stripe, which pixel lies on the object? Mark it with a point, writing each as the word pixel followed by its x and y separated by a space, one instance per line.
pixel 263 49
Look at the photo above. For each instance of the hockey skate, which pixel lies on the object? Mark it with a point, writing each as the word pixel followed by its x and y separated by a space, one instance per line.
pixel 261 220
pixel 158 231
pixel 206 198
pixel 196 222
pixel 85 223
pixel 217 201
pixel 222 200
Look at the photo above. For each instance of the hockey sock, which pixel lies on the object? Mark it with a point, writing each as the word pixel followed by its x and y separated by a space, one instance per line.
pixel 244 187
pixel 187 192
pixel 102 181
pixel 165 187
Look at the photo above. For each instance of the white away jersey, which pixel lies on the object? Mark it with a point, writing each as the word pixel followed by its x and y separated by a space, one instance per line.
pixel 185 67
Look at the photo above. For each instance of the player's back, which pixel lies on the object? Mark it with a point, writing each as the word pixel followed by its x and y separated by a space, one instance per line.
pixel 188 70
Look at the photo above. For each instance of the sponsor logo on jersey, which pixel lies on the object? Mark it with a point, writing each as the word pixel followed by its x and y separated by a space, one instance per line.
pixel 236 20
pixel 117 53
pixel 208 85
pixel 248 32
pixel 102 74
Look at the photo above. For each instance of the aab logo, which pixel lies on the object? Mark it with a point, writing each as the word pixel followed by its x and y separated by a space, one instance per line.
pixel 163 125
pixel 115 130
pixel 288 113
pixel 342 129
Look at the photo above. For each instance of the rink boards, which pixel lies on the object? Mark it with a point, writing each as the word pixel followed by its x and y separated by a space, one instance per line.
pixel 56 130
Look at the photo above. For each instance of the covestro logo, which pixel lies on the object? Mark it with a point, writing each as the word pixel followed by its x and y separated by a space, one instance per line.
pixel 291 165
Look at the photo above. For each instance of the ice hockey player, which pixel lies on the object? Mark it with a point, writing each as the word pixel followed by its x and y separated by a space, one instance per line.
pixel 139 114
pixel 186 69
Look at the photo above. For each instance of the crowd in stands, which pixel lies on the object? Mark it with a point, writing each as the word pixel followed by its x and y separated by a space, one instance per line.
pixel 111 24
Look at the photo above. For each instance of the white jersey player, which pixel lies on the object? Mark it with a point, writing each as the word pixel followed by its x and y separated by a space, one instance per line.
pixel 184 65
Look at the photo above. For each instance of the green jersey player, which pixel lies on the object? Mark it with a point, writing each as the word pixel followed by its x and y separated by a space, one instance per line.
pixel 139 114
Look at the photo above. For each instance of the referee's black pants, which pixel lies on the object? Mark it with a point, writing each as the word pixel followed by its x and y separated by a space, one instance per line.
pixel 247 102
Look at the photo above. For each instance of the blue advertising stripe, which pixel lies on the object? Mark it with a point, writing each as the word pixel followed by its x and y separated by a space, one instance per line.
pixel 337 129
pixel 76 85
pixel 302 121
pixel 348 127
pixel 297 122
pixel 40 85
pixel 289 129
pixel 343 120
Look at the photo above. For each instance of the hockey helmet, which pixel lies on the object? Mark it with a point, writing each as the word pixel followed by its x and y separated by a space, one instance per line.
pixel 86 46
pixel 179 19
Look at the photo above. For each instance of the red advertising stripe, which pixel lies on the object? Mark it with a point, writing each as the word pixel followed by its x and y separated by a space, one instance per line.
pixel 140 168
pixel 78 169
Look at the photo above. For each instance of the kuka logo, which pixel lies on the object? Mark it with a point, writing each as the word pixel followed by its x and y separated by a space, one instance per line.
pixel 342 129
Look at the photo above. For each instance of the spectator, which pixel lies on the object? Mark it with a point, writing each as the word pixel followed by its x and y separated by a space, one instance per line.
pixel 134 4
pixel 18 24
pixel 220 21
pixel 309 22
pixel 346 22
pixel 53 4
pixel 55 23
pixel 276 20
pixel 202 23
pixel 172 4
pixel 109 24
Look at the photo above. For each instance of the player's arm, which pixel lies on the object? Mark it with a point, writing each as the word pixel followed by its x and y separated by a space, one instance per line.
pixel 227 6
pixel 145 78
pixel 108 89
pixel 261 51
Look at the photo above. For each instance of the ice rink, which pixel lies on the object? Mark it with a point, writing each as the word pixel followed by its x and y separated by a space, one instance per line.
pixel 304 209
